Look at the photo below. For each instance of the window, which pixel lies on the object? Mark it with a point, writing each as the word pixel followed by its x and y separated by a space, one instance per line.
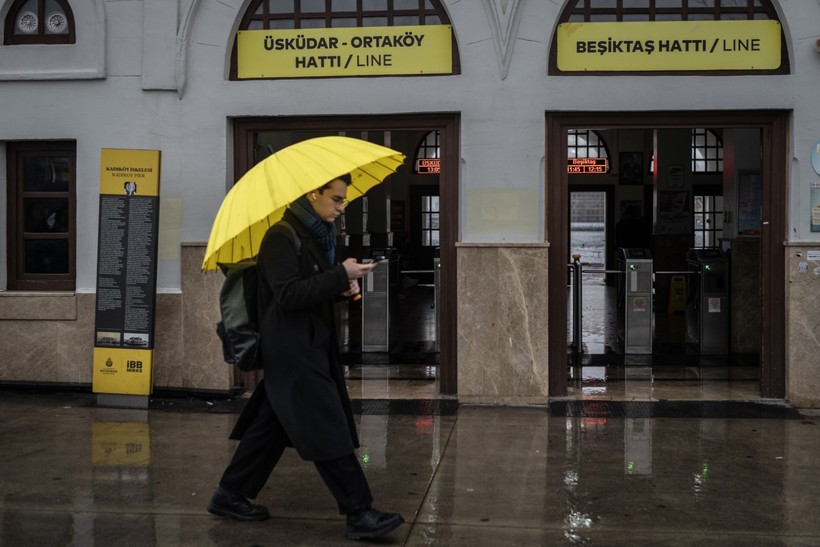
pixel 429 148
pixel 667 10
pixel 429 221
pixel 585 143
pixel 294 14
pixel 707 151
pixel 39 22
pixel 708 211
pixel 41 202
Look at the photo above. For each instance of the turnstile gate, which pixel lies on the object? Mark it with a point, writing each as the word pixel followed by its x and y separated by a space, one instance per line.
pixel 376 309
pixel 635 300
pixel 707 302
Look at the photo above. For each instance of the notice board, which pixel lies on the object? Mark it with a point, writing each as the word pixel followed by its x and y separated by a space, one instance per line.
pixel 126 271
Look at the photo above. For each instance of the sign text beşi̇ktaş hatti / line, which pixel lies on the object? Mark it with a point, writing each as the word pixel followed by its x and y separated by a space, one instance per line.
pixel 669 46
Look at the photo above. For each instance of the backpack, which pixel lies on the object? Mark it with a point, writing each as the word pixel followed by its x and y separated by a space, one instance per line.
pixel 239 310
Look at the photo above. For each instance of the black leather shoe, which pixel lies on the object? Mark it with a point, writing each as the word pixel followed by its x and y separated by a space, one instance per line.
pixel 225 504
pixel 371 523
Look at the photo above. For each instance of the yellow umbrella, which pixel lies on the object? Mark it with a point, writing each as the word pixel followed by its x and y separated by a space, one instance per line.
pixel 261 196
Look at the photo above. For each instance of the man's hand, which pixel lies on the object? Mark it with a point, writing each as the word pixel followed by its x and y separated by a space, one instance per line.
pixel 355 270
pixel 353 290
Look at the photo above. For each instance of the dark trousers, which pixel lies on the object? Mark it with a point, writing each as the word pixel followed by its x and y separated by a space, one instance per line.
pixel 260 449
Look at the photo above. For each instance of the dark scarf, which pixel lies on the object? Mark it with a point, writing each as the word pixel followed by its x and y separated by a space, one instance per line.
pixel 323 232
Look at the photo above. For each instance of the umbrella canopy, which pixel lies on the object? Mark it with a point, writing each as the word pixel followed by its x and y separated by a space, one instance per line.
pixel 261 196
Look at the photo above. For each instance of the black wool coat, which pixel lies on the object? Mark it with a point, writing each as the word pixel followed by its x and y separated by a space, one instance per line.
pixel 304 377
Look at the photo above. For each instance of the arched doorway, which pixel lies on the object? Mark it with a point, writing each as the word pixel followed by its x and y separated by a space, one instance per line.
pixel 773 150
pixel 288 130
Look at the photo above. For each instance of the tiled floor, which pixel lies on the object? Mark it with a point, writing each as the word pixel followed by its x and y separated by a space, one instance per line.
pixel 393 382
pixel 667 383
pixel 602 383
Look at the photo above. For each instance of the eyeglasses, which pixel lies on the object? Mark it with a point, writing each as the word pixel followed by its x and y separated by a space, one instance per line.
pixel 339 201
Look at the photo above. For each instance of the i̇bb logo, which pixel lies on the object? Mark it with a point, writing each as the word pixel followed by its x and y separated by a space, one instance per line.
pixel 133 366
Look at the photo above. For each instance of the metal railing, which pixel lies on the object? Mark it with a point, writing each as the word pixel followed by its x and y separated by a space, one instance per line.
pixel 576 269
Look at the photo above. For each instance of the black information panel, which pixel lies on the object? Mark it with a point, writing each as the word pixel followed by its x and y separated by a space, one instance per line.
pixel 126 273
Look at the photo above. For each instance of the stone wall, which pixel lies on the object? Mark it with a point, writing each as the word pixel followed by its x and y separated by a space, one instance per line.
pixel 48 338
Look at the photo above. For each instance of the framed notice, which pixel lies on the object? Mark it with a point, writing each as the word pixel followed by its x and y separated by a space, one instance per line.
pixel 126 272
pixel 630 168
pixel 674 216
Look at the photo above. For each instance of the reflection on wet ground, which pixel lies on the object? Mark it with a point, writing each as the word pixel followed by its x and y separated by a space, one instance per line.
pixel 615 383
pixel 76 474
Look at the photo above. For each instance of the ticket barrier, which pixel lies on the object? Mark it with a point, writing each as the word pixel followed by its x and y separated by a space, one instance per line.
pixel 707 301
pixel 635 300
pixel 376 308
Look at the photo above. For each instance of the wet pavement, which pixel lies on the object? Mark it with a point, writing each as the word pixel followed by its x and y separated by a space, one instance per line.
pixel 75 474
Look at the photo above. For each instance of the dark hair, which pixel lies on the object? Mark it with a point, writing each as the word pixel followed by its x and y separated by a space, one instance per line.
pixel 344 178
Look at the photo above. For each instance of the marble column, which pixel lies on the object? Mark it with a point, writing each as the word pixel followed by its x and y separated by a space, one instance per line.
pixel 502 323
pixel 202 366
pixel 803 326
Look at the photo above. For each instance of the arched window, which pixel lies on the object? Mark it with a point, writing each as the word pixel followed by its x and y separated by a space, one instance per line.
pixel 667 10
pixel 586 143
pixel 295 14
pixel 610 11
pixel 39 22
pixel 429 146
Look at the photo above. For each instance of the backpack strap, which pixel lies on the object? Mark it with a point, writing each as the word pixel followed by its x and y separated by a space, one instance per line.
pixel 297 241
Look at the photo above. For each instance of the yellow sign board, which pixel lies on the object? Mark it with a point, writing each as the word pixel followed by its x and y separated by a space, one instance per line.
pixel 126 272
pixel 123 371
pixel 129 172
pixel 669 46
pixel 358 51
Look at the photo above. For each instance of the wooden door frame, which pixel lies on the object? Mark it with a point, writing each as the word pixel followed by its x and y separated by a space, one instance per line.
pixel 773 125
pixel 448 125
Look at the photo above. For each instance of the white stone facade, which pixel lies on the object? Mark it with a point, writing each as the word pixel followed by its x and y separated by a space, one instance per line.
pixel 153 74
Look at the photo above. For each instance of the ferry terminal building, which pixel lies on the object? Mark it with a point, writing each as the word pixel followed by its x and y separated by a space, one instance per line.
pixel 713 104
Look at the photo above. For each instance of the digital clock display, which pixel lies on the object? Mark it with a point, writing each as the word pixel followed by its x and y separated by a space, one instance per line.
pixel 585 166
pixel 428 166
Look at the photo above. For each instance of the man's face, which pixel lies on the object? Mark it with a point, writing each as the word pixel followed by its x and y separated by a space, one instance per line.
pixel 330 202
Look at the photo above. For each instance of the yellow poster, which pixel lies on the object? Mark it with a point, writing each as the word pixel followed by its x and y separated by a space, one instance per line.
pixel 358 51
pixel 129 172
pixel 123 371
pixel 669 46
